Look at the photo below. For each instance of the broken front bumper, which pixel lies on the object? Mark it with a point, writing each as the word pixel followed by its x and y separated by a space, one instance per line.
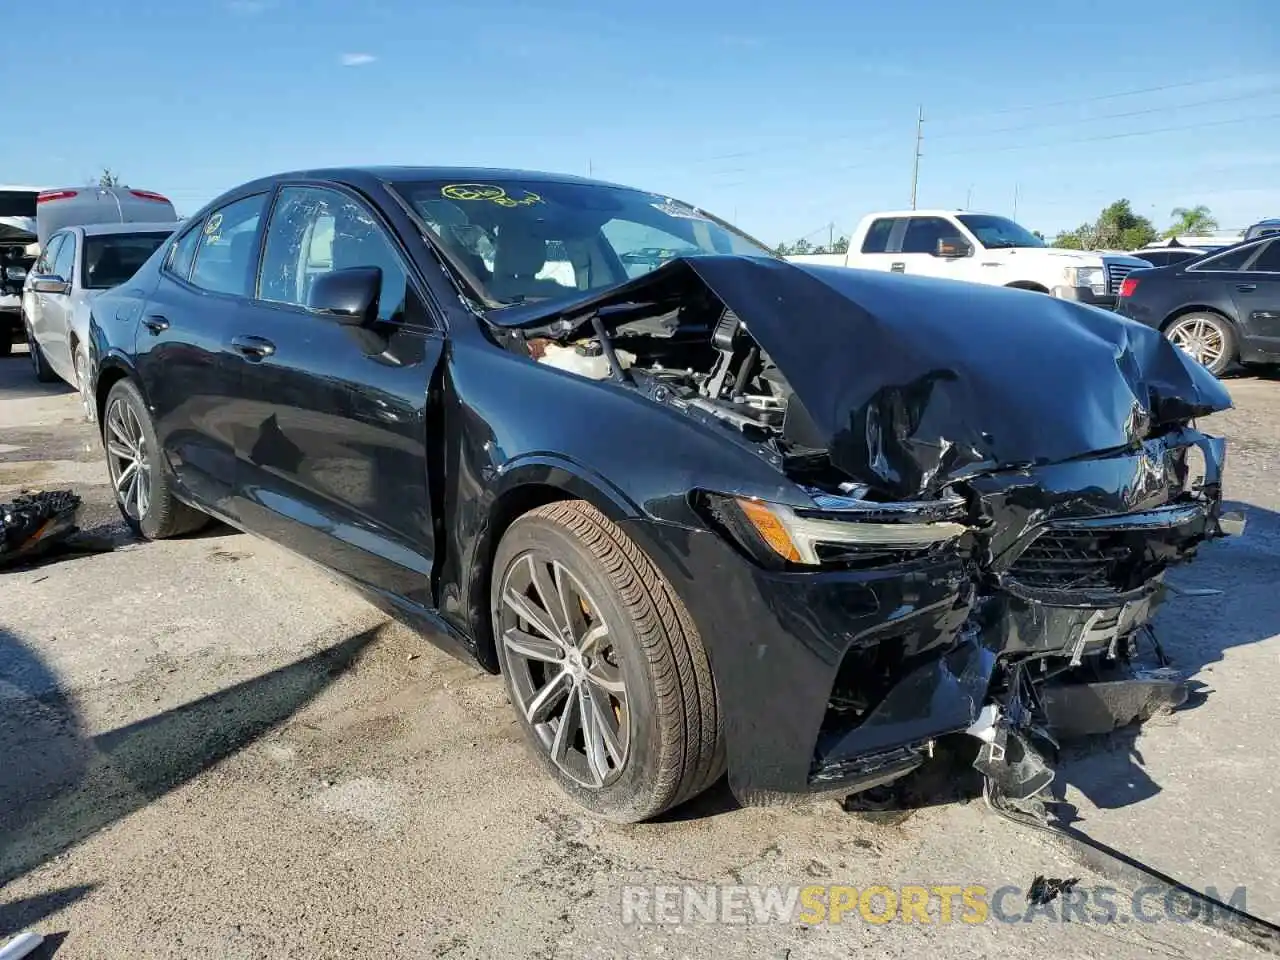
pixel 835 681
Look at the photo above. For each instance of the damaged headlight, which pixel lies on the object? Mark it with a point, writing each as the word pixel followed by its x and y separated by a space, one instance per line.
pixel 838 530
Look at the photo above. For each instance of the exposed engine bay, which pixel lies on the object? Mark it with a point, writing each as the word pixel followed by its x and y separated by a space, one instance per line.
pixel 1014 510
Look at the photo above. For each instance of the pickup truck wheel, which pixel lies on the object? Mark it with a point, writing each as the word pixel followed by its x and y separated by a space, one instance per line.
pixel 603 665
pixel 1208 338
pixel 44 373
pixel 144 491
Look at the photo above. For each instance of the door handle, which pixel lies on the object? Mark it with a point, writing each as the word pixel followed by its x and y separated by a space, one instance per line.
pixel 255 348
pixel 156 324
pixel 897 267
pixel 1246 287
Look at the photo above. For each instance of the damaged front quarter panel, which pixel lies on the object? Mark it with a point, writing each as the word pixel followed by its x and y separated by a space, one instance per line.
pixel 998 484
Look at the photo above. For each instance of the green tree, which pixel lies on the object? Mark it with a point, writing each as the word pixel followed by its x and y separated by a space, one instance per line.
pixel 1116 228
pixel 1196 221
pixel 782 250
pixel 801 246
pixel 841 245
pixel 108 178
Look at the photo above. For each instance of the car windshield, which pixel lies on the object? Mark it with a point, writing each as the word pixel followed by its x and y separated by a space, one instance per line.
pixel 526 240
pixel 111 259
pixel 996 232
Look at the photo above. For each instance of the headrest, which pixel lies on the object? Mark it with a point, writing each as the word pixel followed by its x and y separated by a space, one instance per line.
pixel 519 253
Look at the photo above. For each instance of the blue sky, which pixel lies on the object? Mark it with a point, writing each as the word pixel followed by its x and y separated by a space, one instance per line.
pixel 784 117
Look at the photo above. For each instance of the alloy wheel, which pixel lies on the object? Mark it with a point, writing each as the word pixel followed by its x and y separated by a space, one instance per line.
pixel 1200 339
pixel 563 669
pixel 127 459
pixel 82 380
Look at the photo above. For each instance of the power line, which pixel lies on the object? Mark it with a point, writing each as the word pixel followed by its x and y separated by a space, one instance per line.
pixel 1108 116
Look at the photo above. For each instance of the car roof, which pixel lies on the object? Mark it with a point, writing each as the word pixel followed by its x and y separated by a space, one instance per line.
pixel 406 174
pixel 107 229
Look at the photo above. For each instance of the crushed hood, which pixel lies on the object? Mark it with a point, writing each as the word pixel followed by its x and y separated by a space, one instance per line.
pixel 912 383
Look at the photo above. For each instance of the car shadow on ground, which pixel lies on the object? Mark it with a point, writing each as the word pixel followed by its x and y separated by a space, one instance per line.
pixel 59 785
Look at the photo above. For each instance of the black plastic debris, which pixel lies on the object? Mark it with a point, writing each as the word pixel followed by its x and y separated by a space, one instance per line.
pixel 1046 889
pixel 35 526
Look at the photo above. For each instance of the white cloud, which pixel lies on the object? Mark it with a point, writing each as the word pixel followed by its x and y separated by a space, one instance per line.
pixel 356 59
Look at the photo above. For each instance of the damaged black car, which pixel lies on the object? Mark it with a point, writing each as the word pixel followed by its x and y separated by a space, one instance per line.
pixel 703 509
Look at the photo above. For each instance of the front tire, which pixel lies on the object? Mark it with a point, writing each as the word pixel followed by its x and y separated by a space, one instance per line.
pixel 143 489
pixel 1208 338
pixel 603 665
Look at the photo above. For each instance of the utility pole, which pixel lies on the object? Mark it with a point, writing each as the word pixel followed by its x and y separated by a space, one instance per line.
pixel 915 163
pixel 968 198
pixel 591 169
pixel 831 236
pixel 1015 202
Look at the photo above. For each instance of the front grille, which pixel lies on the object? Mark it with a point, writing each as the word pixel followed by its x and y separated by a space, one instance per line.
pixel 1116 272
pixel 1074 560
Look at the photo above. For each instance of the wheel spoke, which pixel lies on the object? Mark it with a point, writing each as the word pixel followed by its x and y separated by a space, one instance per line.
pixel 598 735
pixel 144 491
pixel 542 706
pixel 592 641
pixel 570 721
pixel 608 678
pixel 126 477
pixel 116 425
pixel 548 596
pixel 119 450
pixel 527 612
pixel 533 647
pixel 571 603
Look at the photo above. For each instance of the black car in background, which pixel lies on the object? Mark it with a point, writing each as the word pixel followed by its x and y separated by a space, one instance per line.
pixel 1220 309
pixel 733 512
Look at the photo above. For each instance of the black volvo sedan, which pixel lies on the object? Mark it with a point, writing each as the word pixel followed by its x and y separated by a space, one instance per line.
pixel 701 507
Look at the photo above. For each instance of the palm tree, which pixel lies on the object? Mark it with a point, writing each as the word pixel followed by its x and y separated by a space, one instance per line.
pixel 1195 221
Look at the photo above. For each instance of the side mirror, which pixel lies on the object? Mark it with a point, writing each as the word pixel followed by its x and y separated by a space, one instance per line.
pixel 50 284
pixel 347 296
pixel 953 248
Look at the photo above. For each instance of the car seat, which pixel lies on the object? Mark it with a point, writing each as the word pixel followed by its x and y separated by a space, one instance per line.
pixel 518 256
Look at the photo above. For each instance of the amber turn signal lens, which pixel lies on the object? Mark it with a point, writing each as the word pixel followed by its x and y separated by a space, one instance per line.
pixel 770 528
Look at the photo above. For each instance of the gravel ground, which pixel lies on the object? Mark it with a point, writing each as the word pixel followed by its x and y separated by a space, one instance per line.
pixel 209 749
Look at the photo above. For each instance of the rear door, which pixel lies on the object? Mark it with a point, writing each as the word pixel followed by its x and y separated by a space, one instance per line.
pixel 191 379
pixel 883 236
pixel 331 424
pixel 1256 292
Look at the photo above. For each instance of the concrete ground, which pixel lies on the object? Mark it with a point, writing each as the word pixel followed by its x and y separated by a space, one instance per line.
pixel 208 749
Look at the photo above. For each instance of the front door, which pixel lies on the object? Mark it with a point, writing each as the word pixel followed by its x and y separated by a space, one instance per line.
pixel 191 380
pixel 332 424
pixel 55 310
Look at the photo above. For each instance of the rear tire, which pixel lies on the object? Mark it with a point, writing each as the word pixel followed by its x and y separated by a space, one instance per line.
pixel 44 373
pixel 614 643
pixel 143 488
pixel 87 400
pixel 1208 338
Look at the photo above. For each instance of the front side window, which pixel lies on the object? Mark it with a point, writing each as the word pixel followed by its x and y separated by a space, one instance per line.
pixel 877 239
pixel 526 240
pixel 112 259
pixel 226 257
pixel 65 259
pixel 923 234
pixel 314 231
pixel 1231 261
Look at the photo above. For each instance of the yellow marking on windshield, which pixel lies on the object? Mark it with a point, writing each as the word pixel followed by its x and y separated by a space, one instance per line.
pixel 488 191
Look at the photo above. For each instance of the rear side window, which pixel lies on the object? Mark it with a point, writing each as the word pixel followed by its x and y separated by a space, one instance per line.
pixel 1230 261
pixel 1155 258
pixel 183 252
pixel 877 238
pixel 227 257
pixel 111 259
pixel 65 259
pixel 1269 259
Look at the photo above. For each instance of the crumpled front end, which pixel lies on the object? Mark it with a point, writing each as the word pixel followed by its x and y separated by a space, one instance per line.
pixel 980 493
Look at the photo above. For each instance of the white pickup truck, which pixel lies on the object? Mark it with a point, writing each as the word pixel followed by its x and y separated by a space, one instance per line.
pixel 980 248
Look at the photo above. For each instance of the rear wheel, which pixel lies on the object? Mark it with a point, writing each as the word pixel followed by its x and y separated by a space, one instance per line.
pixel 144 491
pixel 603 665
pixel 1207 338
pixel 44 373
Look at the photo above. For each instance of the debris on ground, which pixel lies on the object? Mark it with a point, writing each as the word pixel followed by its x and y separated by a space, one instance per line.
pixel 40 525
pixel 1046 889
